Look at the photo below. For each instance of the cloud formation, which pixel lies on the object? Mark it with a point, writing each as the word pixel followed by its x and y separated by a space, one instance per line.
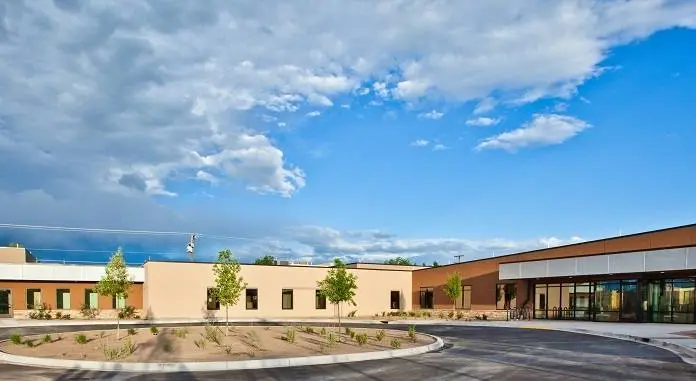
pixel 433 115
pixel 482 121
pixel 542 130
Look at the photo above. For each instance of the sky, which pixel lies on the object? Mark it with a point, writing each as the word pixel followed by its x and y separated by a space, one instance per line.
pixel 354 129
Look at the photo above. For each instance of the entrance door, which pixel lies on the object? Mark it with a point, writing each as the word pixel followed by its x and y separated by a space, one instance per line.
pixel 5 303
pixel 657 301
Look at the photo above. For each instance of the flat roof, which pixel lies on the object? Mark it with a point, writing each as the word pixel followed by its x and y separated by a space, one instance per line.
pixel 511 256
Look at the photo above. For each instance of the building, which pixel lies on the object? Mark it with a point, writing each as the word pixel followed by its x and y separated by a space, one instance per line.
pixel 646 277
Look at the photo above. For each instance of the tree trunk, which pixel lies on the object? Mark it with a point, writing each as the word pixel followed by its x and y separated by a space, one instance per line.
pixel 227 320
pixel 339 321
pixel 118 326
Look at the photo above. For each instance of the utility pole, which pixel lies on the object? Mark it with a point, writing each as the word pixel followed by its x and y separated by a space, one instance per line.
pixel 459 257
pixel 190 247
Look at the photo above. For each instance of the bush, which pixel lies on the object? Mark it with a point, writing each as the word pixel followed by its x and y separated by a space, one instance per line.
pixel 460 315
pixel 110 353
pixel 181 332
pixel 128 312
pixel 412 333
pixel 395 343
pixel 450 314
pixel 380 335
pixel 15 339
pixel 441 315
pixel 352 313
pixel 87 312
pixel 200 343
pixel 289 336
pixel 128 348
pixel 154 330
pixel 383 313
pixel 41 313
pixel 331 339
pixel 213 334
pixel 81 339
pixel 411 313
pixel 361 338
pixel 65 317
pixel 29 343
pixel 352 334
pixel 46 339
pixel 323 331
pixel 132 332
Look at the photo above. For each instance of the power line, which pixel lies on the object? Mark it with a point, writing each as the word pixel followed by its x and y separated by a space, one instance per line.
pixel 87 251
pixel 131 232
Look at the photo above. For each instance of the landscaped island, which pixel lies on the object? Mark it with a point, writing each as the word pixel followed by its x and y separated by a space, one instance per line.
pixel 210 343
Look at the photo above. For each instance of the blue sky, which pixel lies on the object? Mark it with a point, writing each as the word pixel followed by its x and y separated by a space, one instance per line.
pixel 431 131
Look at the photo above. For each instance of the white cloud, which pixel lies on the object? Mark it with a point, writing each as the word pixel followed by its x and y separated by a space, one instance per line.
pixel 119 100
pixel 323 243
pixel 542 130
pixel 313 114
pixel 281 124
pixel 419 143
pixel 485 105
pixel 380 88
pixel 434 115
pixel 483 121
pixel 439 147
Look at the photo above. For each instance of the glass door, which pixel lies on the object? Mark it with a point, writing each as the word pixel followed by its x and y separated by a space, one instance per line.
pixel 5 303
pixel 657 301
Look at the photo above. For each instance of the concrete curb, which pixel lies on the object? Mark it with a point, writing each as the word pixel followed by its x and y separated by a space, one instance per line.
pixel 60 323
pixel 218 365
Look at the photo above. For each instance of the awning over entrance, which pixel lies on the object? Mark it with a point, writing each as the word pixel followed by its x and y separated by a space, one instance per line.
pixel 632 262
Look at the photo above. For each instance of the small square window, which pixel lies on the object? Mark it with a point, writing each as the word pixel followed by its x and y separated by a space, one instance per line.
pixel 319 300
pixel 287 299
pixel 252 299
pixel 212 301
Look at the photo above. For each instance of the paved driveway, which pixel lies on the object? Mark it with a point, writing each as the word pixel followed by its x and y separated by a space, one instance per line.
pixel 476 353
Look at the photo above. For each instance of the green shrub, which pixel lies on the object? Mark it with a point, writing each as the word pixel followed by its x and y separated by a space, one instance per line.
pixel 352 334
pixel 352 313
pixel 29 343
pixel 380 335
pixel 361 338
pixel 289 336
pixel 110 353
pixel 460 315
pixel 15 339
pixel 200 343
pixel 331 339
pixel 395 343
pixel 132 331
pixel 154 330
pixel 323 331
pixel 87 312
pixel 213 334
pixel 411 314
pixel 128 348
pixel 128 312
pixel 309 330
pixel 180 332
pixel 43 312
pixel 412 333
pixel 441 315
pixel 81 339
pixel 46 339
pixel 450 314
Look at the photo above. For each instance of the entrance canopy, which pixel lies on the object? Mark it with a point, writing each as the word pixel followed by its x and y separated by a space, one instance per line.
pixel 604 264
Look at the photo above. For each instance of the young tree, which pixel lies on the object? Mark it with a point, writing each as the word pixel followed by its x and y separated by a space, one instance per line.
pixel 401 261
pixel 116 282
pixel 453 288
pixel 265 260
pixel 228 283
pixel 338 286
pixel 435 264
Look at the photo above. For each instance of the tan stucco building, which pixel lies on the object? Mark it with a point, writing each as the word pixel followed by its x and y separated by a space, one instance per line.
pixel 645 277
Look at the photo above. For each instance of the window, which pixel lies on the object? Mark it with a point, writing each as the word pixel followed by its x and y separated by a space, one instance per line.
pixel 63 299
pixel 212 302
pixel 33 298
pixel 91 299
pixel 118 302
pixel 252 299
pixel 287 299
pixel 505 296
pixel 466 297
pixel 395 300
pixel 426 297
pixel 319 300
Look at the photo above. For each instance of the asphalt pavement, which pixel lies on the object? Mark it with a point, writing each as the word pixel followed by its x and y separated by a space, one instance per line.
pixel 470 353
